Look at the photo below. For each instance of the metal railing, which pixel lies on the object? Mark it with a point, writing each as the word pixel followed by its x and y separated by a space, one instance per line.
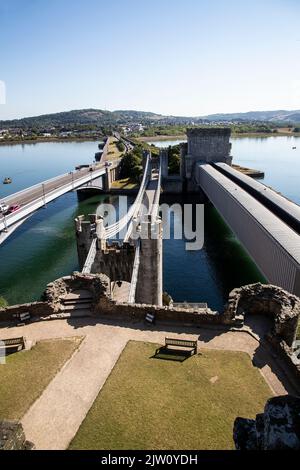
pixel 45 197
pixel 112 230
pixel 135 272
pixel 155 205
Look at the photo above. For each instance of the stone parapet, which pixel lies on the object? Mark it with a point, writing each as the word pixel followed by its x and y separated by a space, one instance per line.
pixel 12 436
pixel 265 299
pixel 36 309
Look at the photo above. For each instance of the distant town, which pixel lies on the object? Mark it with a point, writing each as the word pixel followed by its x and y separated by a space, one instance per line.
pixel 88 124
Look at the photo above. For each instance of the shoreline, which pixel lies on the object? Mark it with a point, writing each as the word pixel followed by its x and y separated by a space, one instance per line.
pixel 233 135
pixel 149 140
pixel 161 137
pixel 45 140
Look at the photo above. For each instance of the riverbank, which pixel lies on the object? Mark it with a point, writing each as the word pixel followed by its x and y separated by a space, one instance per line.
pixel 234 135
pixel 140 139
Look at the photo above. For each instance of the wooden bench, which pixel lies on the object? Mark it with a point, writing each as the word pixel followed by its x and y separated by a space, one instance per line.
pixel 12 345
pixel 182 343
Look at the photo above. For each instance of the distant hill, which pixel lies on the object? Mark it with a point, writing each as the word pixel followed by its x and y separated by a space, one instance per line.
pixel 82 116
pixel 101 117
pixel 266 116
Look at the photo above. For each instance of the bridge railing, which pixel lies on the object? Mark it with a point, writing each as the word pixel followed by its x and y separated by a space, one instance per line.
pixel 112 230
pixel 35 186
pixel 44 198
pixel 135 272
pixel 73 176
pixel 90 258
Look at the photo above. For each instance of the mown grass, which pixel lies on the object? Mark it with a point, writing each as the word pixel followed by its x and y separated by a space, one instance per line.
pixel 148 403
pixel 125 183
pixel 26 374
pixel 113 151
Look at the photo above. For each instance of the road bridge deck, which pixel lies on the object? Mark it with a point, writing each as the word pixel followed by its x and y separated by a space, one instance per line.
pixel 39 195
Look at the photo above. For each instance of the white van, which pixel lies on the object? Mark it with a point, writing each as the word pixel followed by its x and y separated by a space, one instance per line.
pixel 3 207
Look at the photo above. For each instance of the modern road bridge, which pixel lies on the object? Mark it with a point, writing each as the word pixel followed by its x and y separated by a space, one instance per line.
pixel 266 223
pixel 37 196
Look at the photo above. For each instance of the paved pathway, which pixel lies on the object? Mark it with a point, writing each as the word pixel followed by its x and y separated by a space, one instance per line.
pixel 55 417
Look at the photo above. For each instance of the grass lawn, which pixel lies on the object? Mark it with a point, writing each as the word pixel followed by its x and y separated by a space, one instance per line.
pixel 125 183
pixel 113 151
pixel 149 403
pixel 26 374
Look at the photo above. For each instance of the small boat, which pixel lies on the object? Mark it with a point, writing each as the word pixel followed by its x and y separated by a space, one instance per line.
pixel 7 180
pixel 294 148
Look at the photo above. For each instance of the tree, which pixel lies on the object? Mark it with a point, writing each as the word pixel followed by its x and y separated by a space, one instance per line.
pixel 120 146
pixel 3 302
pixel 131 165
pixel 174 159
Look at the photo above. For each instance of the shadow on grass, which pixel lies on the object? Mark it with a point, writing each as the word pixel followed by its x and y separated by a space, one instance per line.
pixel 171 354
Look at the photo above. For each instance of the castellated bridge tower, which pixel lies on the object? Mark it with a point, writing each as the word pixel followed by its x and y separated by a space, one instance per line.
pixel 204 145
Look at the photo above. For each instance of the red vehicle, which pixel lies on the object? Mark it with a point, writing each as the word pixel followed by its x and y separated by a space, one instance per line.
pixel 13 208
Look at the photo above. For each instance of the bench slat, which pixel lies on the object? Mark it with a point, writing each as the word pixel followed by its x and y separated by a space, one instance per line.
pixel 12 341
pixel 180 342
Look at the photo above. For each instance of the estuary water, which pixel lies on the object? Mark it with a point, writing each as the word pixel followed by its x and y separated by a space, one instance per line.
pixel 44 247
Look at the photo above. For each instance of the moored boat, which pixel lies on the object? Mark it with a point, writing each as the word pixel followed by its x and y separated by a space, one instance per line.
pixel 7 180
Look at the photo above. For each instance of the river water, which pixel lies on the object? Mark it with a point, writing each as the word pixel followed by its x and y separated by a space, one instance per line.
pixel 44 248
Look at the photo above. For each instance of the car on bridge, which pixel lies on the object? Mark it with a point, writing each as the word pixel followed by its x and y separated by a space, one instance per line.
pixel 13 208
pixel 79 167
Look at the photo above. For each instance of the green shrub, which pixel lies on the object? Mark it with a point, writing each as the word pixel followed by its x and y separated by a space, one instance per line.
pixel 3 302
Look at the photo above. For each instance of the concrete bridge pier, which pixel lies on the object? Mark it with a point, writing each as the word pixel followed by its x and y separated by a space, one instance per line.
pixel 111 174
pixel 149 288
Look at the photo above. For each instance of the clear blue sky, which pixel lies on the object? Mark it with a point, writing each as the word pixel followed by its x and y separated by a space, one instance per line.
pixel 180 57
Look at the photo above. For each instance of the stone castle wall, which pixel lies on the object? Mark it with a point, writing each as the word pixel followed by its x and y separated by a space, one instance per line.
pixel 103 306
pixel 277 428
pixel 264 299
pixel 12 436
pixel 36 309
pixel 209 144
pixel 204 145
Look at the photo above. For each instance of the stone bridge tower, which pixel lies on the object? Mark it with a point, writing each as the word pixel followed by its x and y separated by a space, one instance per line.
pixel 204 145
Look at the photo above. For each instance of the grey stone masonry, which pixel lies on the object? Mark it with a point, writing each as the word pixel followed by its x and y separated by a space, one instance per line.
pixel 278 428
pixel 12 436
